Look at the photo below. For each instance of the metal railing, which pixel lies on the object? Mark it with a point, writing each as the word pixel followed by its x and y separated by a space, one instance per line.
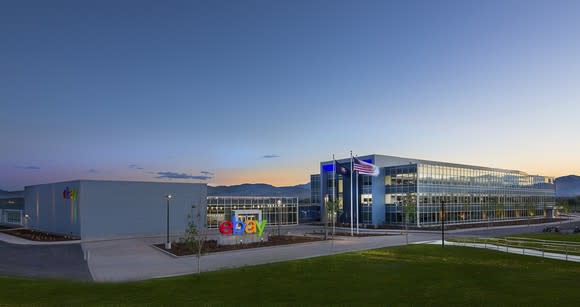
pixel 527 246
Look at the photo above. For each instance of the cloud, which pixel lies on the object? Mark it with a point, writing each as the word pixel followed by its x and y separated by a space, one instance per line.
pixel 93 171
pixel 174 175
pixel 207 173
pixel 134 166
pixel 28 167
pixel 270 156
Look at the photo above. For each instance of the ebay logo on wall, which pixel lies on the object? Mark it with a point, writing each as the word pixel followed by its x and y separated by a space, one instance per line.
pixel 70 194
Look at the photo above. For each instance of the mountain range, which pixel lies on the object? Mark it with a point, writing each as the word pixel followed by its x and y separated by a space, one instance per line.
pixel 302 191
pixel 567 186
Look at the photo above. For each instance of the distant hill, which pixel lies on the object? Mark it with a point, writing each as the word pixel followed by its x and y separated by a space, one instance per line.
pixel 301 191
pixel 567 186
pixel 13 194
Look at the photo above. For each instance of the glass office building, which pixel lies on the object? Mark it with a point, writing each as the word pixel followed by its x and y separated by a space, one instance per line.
pixel 413 192
pixel 315 189
pixel 276 210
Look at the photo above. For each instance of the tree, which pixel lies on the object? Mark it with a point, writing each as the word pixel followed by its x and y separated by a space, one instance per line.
pixel 496 207
pixel 466 211
pixel 196 235
pixel 499 208
pixel 530 208
pixel 517 206
pixel 563 206
pixel 485 206
pixel 409 210
pixel 331 209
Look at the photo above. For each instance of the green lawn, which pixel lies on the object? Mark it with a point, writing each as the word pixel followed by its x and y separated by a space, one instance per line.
pixel 414 275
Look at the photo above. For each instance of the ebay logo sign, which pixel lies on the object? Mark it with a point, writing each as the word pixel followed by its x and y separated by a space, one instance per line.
pixel 239 228
pixel 70 194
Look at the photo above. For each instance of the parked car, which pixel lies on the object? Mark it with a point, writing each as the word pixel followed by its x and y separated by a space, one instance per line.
pixel 576 229
pixel 551 229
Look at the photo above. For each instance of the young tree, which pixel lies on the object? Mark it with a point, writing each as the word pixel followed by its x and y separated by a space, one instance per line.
pixel 409 210
pixel 466 211
pixel 196 235
pixel 331 209
pixel 517 206
pixel 563 206
pixel 530 208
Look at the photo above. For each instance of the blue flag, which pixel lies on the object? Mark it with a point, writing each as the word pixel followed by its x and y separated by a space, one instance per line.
pixel 341 169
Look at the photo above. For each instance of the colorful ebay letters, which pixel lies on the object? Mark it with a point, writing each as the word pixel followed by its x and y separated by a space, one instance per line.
pixel 70 194
pixel 240 228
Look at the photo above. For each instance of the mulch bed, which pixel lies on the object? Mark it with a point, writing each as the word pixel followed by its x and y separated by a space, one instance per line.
pixel 34 235
pixel 347 234
pixel 211 246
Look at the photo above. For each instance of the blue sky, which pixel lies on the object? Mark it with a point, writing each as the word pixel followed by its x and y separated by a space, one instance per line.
pixel 227 92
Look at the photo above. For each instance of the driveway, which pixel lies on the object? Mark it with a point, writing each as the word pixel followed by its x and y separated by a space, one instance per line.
pixel 63 261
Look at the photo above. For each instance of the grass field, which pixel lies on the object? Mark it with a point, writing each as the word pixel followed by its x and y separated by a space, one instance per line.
pixel 413 275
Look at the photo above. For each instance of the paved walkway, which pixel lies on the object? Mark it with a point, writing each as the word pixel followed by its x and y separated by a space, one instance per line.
pixel 136 259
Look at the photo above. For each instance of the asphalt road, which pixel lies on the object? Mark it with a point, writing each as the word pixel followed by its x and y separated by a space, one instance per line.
pixel 44 261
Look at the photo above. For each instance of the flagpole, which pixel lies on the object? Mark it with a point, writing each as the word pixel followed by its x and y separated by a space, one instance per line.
pixel 333 196
pixel 357 200
pixel 351 192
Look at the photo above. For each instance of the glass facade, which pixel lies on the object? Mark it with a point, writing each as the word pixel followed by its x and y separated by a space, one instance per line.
pixel 365 195
pixel 315 189
pixel 335 184
pixel 340 184
pixel 276 210
pixel 469 194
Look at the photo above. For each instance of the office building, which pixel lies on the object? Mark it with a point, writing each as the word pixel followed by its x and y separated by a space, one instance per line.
pixel 413 192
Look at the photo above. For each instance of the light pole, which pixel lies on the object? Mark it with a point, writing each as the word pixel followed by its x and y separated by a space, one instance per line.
pixel 279 202
pixel 167 242
pixel 404 207
pixel 442 223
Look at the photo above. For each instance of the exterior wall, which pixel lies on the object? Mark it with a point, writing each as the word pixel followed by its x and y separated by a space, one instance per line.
pixel 49 211
pixel 106 209
pixel 117 208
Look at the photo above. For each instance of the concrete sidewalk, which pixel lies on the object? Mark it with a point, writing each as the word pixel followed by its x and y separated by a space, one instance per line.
pixel 136 259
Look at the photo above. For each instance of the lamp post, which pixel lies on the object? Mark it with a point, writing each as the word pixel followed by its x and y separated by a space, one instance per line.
pixel 167 242
pixel 442 223
pixel 404 207
pixel 279 202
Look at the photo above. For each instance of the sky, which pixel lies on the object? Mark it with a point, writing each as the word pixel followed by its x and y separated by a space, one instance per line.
pixel 229 92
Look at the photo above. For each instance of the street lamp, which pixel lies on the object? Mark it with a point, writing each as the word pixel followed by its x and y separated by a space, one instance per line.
pixel 167 242
pixel 279 202
pixel 442 223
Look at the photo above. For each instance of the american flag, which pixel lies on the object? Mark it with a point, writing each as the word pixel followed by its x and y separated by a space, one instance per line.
pixel 365 168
